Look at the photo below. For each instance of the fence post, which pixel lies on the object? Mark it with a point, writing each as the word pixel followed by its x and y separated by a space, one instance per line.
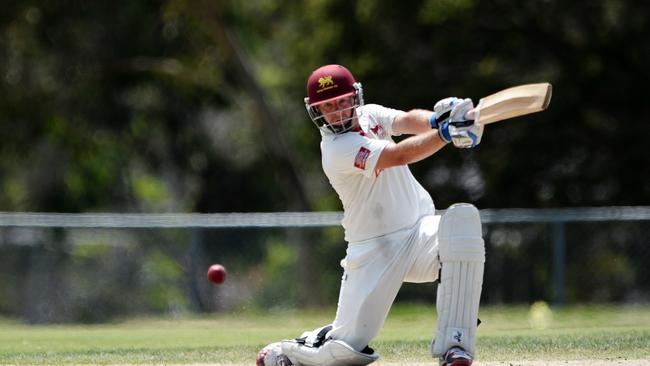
pixel 559 262
pixel 195 254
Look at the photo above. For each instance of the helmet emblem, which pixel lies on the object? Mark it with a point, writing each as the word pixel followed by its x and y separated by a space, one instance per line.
pixel 325 83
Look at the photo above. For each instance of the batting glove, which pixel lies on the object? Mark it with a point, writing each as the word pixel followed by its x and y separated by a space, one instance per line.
pixel 440 118
pixel 464 133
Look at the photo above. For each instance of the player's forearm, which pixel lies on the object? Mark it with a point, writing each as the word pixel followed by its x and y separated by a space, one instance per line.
pixel 413 122
pixel 410 150
pixel 418 147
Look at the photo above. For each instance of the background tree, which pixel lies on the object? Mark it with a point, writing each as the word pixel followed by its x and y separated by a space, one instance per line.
pixel 196 106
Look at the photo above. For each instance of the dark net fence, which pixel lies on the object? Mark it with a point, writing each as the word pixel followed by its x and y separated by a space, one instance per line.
pixel 94 267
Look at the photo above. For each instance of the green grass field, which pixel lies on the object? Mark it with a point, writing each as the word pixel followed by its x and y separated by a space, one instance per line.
pixel 506 334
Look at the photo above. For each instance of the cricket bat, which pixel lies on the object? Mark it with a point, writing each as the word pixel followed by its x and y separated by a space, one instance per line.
pixel 513 102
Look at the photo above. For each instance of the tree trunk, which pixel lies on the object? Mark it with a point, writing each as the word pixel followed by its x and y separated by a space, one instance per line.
pixel 274 143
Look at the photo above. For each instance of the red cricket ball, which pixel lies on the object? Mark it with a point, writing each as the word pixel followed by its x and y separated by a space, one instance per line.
pixel 217 273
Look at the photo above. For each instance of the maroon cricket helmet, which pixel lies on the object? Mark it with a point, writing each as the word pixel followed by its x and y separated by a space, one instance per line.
pixel 328 83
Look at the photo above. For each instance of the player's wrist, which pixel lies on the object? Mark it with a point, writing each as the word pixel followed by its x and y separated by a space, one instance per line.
pixel 443 128
pixel 443 132
pixel 433 121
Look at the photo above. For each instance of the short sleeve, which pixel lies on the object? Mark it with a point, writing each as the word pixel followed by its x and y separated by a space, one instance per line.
pixel 383 116
pixel 351 153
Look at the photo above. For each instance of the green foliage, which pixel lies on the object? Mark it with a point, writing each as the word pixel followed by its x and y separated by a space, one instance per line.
pixel 194 106
pixel 158 272
pixel 105 89
pixel 279 276
pixel 437 12
pixel 150 191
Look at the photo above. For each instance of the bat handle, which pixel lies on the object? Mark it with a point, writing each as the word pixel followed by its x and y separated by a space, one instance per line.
pixel 475 113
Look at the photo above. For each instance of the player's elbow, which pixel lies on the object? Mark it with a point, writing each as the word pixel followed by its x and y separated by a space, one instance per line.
pixel 392 156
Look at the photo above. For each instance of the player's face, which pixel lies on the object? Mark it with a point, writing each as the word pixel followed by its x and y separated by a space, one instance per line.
pixel 338 111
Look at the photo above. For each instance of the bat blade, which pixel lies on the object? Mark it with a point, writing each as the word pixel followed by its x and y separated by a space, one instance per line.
pixel 514 102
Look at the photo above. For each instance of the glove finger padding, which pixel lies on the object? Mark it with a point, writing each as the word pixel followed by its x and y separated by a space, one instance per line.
pixel 460 109
pixel 464 133
pixel 444 106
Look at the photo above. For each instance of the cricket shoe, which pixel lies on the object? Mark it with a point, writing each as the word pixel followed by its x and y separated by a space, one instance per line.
pixel 456 356
pixel 271 355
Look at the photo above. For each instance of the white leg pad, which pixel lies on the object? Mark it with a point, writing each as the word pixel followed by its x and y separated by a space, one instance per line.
pixel 331 353
pixel 462 256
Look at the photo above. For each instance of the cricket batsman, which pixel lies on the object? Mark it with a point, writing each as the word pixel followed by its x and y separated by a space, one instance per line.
pixel 393 233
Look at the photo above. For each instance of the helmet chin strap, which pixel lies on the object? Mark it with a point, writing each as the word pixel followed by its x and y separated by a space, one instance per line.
pixel 343 127
pixel 347 126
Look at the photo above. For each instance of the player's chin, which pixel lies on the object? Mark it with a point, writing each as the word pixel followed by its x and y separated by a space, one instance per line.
pixel 337 125
pixel 334 120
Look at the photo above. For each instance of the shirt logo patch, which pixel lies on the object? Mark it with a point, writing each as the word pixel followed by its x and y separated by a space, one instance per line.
pixel 377 130
pixel 360 159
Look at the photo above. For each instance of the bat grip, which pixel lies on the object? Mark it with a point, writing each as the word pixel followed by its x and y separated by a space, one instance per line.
pixel 475 113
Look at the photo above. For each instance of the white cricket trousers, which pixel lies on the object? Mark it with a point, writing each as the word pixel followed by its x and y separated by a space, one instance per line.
pixel 374 271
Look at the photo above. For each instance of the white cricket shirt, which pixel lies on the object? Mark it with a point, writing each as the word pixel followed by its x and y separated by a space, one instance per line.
pixel 374 203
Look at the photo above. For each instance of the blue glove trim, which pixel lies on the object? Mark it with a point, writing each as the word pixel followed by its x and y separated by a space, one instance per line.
pixel 443 132
pixel 433 121
pixel 473 137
